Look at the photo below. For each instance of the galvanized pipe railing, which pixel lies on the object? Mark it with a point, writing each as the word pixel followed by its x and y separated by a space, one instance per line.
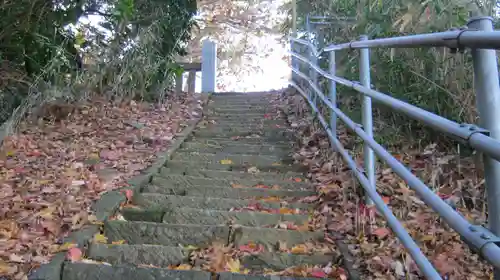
pixel 478 34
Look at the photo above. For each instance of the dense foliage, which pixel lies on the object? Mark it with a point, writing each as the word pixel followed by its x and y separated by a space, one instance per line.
pixel 433 79
pixel 47 44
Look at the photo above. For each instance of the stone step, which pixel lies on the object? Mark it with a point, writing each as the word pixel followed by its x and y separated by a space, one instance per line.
pixel 184 164
pixel 187 181
pixel 163 256
pixel 169 202
pixel 243 118
pixel 235 109
pixel 224 192
pixel 235 149
pixel 137 254
pixel 232 159
pixel 242 126
pixel 244 141
pixel 178 168
pixel 195 216
pixel 237 276
pixel 269 135
pixel 91 271
pixel 131 232
pixel 257 123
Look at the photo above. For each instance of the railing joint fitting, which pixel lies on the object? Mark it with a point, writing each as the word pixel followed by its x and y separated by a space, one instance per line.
pixel 479 237
pixel 472 129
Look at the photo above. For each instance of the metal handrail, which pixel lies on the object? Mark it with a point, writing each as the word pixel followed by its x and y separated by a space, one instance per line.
pixel 478 34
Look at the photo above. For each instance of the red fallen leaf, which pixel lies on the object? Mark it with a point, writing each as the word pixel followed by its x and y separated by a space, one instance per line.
pixel 318 274
pixel 74 254
pixel 34 153
pixel 381 232
pixel 443 195
pixel 128 194
pixel 19 170
pixel 251 248
pixel 386 199
pixel 267 116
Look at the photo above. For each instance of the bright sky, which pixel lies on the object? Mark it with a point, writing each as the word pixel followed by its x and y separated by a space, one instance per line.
pixel 263 71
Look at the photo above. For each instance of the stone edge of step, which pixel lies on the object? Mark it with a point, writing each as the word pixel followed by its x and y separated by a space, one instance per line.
pixel 109 203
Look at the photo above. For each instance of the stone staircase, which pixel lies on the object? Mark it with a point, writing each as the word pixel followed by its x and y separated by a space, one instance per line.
pixel 238 158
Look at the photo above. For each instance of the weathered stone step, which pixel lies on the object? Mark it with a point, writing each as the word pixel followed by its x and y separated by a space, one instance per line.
pixel 237 276
pixel 137 254
pixel 195 216
pixel 282 261
pixel 165 234
pixel 178 168
pixel 203 235
pixel 244 141
pixel 169 202
pixel 241 126
pixel 269 135
pixel 270 237
pixel 235 149
pixel 163 256
pixel 232 159
pixel 183 164
pixel 90 271
pixel 235 109
pixel 182 180
pixel 224 192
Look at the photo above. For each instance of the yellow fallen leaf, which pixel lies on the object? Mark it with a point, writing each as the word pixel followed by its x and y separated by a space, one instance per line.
pixel 284 210
pixel 66 246
pixel 276 164
pixel 118 242
pixel 183 267
pixel 100 238
pixel 270 199
pixel 226 161
pixel 299 249
pixel 233 265
pixel 5 268
pixel 190 247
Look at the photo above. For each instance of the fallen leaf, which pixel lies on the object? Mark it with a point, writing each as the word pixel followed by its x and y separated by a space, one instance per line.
pixel 66 246
pixel 233 265
pixel 128 194
pixel 118 242
pixel 298 180
pixel 299 249
pixel 381 232
pixel 226 161
pixel 183 267
pixel 386 199
pixel 100 238
pixel 318 274
pixel 74 254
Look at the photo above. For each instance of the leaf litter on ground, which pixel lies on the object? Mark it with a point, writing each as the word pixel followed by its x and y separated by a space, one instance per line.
pixel 378 253
pixel 51 172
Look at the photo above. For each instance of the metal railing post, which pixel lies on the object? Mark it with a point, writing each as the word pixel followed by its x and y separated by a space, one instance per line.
pixel 208 66
pixel 364 78
pixel 313 74
pixel 487 90
pixel 333 93
pixel 293 61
